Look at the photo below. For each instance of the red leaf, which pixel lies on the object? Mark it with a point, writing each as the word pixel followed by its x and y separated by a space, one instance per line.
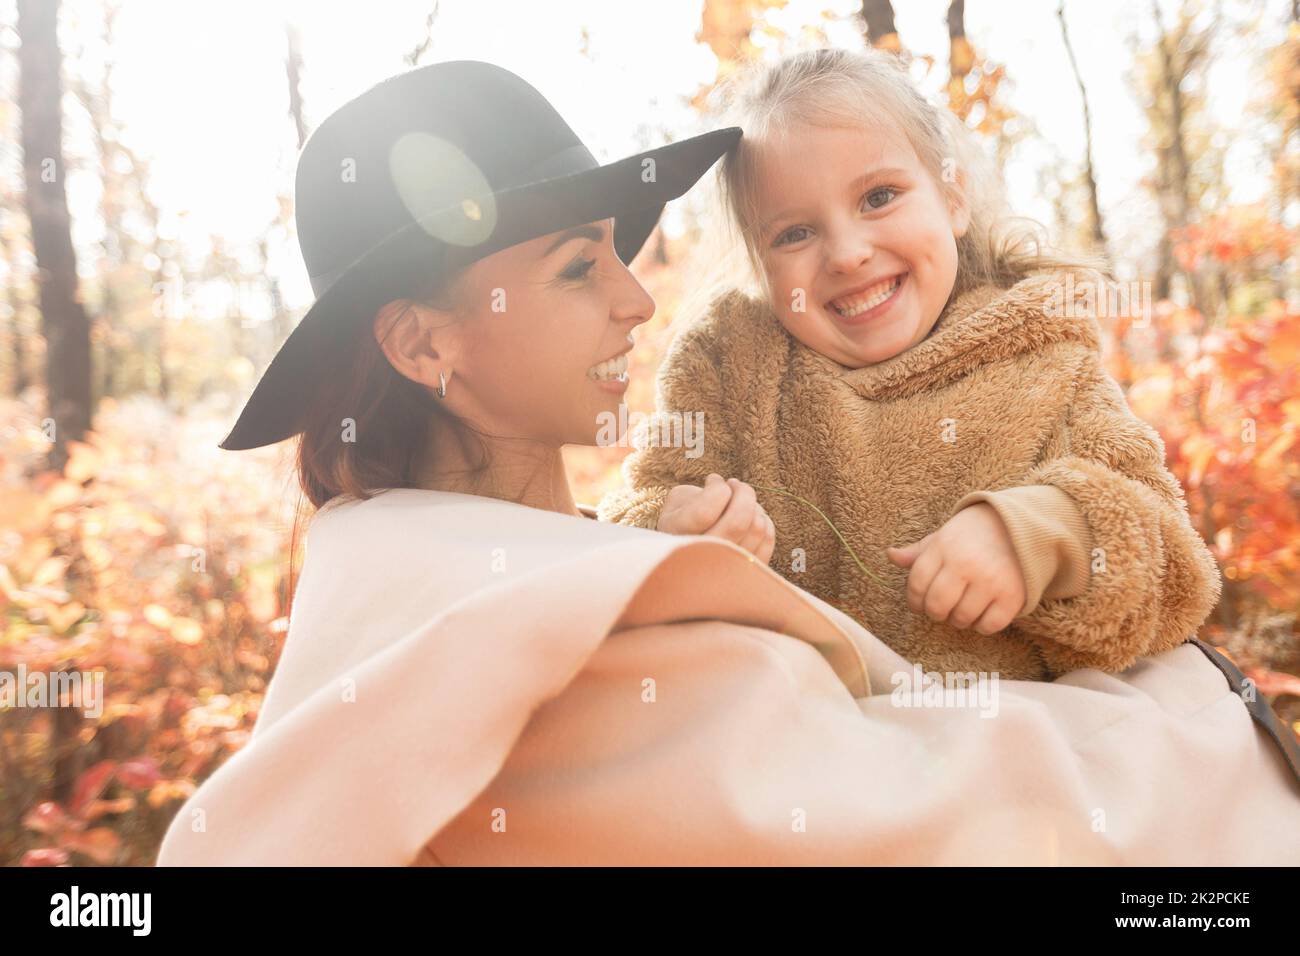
pixel 140 773
pixel 1273 683
pixel 91 784
pixel 47 817
pixel 46 856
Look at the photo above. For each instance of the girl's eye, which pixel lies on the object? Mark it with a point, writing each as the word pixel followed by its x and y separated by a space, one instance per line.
pixel 793 234
pixel 876 192
pixel 578 270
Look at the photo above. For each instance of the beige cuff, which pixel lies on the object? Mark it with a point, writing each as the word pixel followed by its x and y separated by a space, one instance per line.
pixel 1050 536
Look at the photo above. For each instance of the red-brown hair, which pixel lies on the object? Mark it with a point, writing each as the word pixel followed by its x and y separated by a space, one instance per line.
pixel 391 420
pixel 368 428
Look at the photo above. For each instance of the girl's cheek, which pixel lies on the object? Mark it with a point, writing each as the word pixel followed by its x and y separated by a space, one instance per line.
pixel 794 278
pixel 793 296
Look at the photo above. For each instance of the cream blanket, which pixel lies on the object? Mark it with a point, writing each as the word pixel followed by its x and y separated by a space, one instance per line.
pixel 468 681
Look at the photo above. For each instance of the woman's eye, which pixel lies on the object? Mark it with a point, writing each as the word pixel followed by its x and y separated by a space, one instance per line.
pixel 793 234
pixel 876 192
pixel 578 270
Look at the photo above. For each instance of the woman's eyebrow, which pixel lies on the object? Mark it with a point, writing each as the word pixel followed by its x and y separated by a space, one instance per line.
pixel 594 233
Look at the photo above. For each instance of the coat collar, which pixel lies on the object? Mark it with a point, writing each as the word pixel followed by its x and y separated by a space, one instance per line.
pixel 978 327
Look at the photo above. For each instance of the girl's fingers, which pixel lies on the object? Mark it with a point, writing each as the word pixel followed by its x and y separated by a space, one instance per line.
pixel 973 603
pixel 920 577
pixel 769 540
pixel 943 594
pixel 753 535
pixel 906 555
pixel 709 506
pixel 739 515
pixel 753 539
pixel 998 616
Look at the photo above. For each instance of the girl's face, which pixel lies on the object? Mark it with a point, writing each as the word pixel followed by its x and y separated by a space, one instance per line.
pixel 858 243
pixel 536 337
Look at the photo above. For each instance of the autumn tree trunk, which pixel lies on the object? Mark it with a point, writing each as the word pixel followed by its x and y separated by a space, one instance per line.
pixel 293 74
pixel 1096 231
pixel 18 346
pixel 117 240
pixel 1178 55
pixel 63 318
pixel 879 18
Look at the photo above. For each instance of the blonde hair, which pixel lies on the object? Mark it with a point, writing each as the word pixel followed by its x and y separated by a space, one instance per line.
pixel 843 88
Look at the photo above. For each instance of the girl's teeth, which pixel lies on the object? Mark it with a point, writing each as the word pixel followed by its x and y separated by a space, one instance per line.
pixel 610 370
pixel 853 306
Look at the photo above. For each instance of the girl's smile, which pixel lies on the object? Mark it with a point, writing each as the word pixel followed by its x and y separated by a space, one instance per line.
pixel 865 303
pixel 860 248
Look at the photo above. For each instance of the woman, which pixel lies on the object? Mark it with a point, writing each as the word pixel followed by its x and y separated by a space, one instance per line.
pixel 477 673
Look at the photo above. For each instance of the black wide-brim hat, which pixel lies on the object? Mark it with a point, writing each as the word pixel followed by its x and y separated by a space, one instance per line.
pixel 429 171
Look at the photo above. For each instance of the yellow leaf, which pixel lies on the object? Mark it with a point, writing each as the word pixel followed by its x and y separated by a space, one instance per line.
pixel 50 570
pixel 1199 450
pixel 62 618
pixel 99 556
pixel 158 616
pixel 186 630
pixel 1275 451
pixel 62 494
pixel 83 462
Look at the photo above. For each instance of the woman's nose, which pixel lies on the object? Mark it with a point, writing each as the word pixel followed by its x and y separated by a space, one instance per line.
pixel 635 304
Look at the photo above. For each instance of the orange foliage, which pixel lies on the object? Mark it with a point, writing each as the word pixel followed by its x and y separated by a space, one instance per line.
pixel 1223 395
pixel 157 562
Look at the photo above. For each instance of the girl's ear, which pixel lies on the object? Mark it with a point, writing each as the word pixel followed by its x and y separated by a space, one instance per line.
pixel 405 331
pixel 959 206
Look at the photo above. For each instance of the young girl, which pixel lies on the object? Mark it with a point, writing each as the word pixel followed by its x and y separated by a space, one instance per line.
pixel 911 370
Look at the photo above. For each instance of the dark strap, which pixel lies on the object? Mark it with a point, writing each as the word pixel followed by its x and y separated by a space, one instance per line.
pixel 1259 709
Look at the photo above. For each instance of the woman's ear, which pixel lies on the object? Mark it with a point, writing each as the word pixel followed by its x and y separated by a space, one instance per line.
pixel 407 334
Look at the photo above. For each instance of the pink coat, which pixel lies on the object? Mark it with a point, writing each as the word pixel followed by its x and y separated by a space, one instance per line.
pixel 468 681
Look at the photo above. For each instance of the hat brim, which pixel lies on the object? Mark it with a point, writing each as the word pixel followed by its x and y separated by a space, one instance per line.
pixel 275 411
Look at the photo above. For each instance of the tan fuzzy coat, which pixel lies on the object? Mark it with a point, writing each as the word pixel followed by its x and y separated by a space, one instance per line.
pixel 1006 401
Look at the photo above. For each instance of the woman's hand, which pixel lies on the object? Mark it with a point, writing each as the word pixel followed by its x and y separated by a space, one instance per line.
pixel 966 573
pixel 725 509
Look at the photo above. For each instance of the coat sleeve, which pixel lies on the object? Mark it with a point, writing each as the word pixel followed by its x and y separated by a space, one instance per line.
pixel 688 435
pixel 1050 537
pixel 1152 581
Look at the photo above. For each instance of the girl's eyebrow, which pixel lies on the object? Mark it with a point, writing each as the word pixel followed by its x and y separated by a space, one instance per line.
pixel 884 172
pixel 772 222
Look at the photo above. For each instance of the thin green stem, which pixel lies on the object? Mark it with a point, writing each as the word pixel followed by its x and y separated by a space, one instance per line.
pixel 847 547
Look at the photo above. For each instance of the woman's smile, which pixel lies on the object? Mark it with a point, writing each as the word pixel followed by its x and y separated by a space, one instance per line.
pixel 611 374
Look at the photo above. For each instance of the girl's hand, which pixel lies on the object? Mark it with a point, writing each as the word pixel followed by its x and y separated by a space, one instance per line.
pixel 966 573
pixel 725 509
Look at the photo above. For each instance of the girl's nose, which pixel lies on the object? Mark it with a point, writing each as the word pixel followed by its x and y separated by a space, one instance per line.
pixel 848 252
